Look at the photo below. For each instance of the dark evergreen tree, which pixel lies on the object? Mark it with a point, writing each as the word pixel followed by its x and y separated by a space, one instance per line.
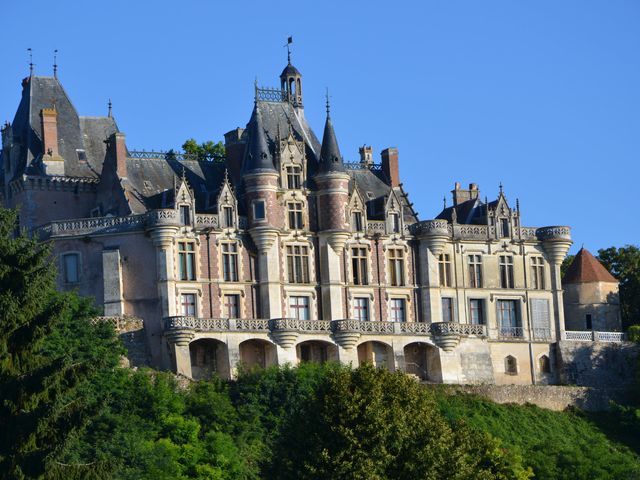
pixel 49 355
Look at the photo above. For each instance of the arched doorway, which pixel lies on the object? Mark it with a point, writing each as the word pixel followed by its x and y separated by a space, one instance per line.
pixel 423 361
pixel 208 357
pixel 377 353
pixel 257 353
pixel 316 351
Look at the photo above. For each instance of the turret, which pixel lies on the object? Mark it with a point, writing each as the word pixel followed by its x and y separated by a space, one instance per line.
pixel 291 84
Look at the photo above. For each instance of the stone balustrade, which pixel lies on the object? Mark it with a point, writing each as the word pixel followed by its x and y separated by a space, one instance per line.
pixel 445 328
pixel 594 336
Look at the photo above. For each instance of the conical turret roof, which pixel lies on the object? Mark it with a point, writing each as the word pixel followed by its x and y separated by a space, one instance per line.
pixel 586 268
pixel 330 158
pixel 258 155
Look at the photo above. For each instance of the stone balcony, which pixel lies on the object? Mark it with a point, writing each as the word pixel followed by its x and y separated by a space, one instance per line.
pixel 346 332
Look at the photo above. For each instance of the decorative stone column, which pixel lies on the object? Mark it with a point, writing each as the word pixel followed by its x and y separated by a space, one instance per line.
pixel 556 242
pixel 163 226
pixel 179 340
pixel 265 238
pixel 331 249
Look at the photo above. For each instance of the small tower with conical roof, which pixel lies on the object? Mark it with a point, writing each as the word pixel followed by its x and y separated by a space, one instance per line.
pixel 591 299
pixel 332 183
pixel 265 214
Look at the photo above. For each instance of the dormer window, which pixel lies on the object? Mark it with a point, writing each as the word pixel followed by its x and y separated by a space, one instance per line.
pixel 357 222
pixel 227 217
pixel 185 215
pixel 294 177
pixel 395 222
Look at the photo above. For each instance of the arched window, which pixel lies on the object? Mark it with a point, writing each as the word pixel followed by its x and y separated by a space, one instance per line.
pixel 544 364
pixel 511 365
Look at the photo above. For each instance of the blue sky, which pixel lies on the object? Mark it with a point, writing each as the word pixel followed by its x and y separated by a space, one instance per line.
pixel 542 96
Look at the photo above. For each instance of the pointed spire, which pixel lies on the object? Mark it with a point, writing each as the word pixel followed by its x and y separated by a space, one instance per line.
pixel 258 157
pixel 330 158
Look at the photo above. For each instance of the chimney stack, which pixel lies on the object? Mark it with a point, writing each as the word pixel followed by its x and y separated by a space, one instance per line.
pixel 49 131
pixel 390 165
pixel 461 195
pixel 118 151
pixel 366 155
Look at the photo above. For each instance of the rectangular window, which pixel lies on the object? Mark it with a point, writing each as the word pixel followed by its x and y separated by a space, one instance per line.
pixel 357 222
pixel 185 215
pixel 537 273
pixel 588 321
pixel 447 309
pixel 476 311
pixel 359 265
pixel 444 267
pixel 398 310
pixel 506 271
pixel 475 271
pixel 186 261
pixel 230 262
pixel 540 318
pixel 231 306
pixel 227 217
pixel 396 267
pixel 295 215
pixel 294 177
pixel 508 320
pixel 298 263
pixel 188 303
pixel 361 309
pixel 71 265
pixel 504 227
pixel 395 222
pixel 299 308
pixel 258 210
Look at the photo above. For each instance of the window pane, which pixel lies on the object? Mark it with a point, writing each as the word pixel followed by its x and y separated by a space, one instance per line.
pixel 258 210
pixel 447 309
pixel 71 271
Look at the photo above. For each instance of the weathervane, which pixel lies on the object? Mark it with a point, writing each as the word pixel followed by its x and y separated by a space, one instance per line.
pixel 289 42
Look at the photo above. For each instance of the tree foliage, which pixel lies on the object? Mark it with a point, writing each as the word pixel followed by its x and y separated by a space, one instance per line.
pixel 50 354
pixel 624 264
pixel 208 150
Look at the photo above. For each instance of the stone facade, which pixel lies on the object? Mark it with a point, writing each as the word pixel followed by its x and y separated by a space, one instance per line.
pixel 281 252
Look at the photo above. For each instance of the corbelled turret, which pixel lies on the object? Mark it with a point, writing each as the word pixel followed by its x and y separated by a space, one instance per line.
pixel 258 158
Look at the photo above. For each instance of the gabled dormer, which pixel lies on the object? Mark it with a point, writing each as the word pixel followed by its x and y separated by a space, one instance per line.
pixel 502 216
pixel 185 201
pixel 357 211
pixel 393 213
pixel 292 162
pixel 227 204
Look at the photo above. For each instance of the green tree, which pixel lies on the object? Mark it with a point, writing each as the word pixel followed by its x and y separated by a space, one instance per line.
pixel 44 370
pixel 566 263
pixel 624 264
pixel 208 150
pixel 372 424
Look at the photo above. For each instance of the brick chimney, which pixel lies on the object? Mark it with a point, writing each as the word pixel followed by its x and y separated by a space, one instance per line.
pixel 366 155
pixel 390 165
pixel 461 195
pixel 118 151
pixel 49 131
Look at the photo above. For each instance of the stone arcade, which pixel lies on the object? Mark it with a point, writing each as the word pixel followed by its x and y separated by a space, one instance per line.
pixel 282 252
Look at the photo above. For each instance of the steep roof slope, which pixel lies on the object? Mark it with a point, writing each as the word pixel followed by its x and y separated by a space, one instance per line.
pixel 586 268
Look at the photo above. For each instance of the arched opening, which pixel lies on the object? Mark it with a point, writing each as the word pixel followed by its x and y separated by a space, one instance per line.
pixel 376 353
pixel 510 365
pixel 208 357
pixel 544 364
pixel 316 351
pixel 292 86
pixel 257 353
pixel 423 361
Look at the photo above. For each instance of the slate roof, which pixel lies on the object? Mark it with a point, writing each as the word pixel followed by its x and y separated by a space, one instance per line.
pixel 290 70
pixel 586 268
pixel 330 157
pixel 74 132
pixel 469 212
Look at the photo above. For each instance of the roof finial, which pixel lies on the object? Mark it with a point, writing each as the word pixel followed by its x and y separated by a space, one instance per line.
pixel 518 206
pixel 328 106
pixel 500 186
pixel 255 91
pixel 55 63
pixel 184 175
pixel 444 201
pixel 289 42
pixel 30 61
pixel 109 105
